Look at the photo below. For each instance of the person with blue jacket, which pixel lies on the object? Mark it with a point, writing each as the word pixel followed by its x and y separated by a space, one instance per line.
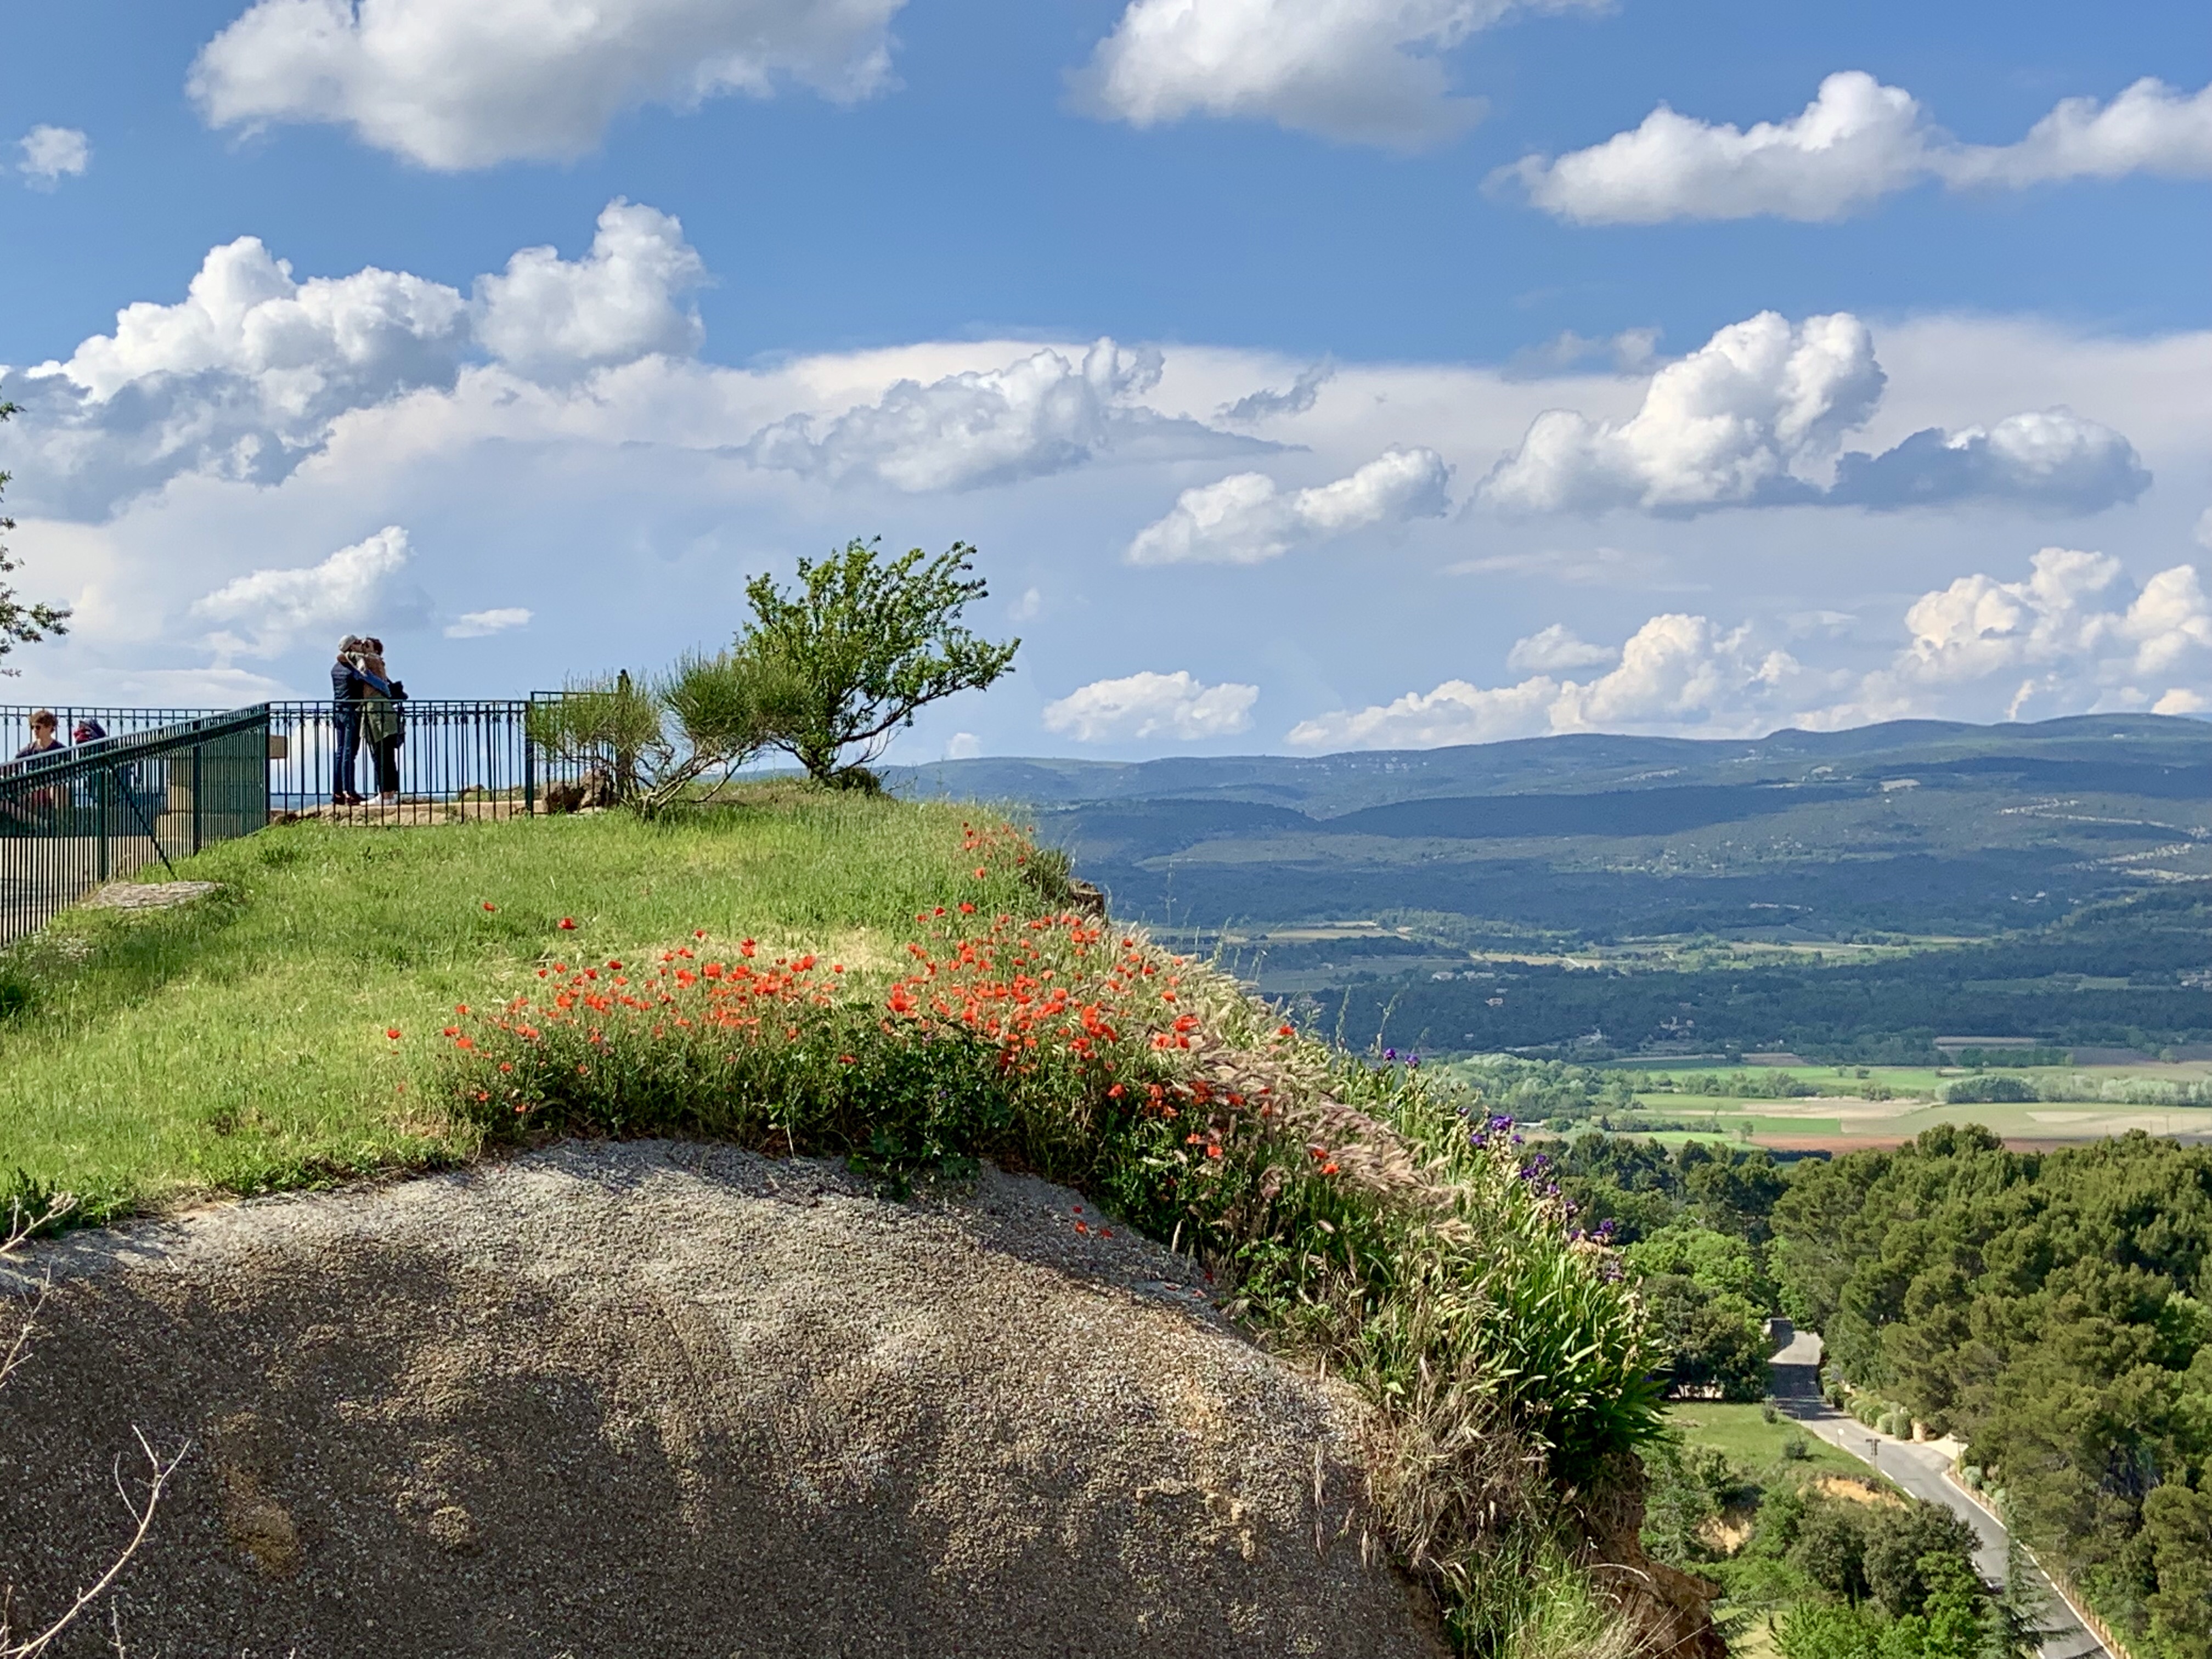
pixel 352 682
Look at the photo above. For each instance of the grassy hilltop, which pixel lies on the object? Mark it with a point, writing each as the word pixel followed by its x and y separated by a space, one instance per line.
pixel 238 1044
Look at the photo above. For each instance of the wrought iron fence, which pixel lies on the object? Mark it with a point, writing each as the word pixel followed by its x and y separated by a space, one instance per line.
pixel 76 816
pixel 416 761
pixel 453 758
pixel 107 720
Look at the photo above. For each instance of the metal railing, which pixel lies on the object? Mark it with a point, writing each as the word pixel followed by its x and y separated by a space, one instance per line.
pixel 75 818
pixel 113 721
pixel 455 759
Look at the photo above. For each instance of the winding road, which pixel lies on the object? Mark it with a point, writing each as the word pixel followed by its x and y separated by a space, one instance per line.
pixel 1919 1469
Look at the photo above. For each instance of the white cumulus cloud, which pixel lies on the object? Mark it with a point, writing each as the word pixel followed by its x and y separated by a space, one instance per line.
pixel 1725 425
pixel 1856 142
pixel 1149 705
pixel 2069 637
pixel 453 86
pixel 1676 672
pixel 266 611
pixel 548 317
pixel 245 376
pixel 2149 128
pixel 1754 417
pixel 1042 415
pixel 1555 650
pixel 1368 71
pixel 1979 626
pixel 1245 520
pixel 480 624
pixel 51 155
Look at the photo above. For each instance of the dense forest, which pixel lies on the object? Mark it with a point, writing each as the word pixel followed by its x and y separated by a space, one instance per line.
pixel 2056 1312
pixel 2052 1309
pixel 1835 1564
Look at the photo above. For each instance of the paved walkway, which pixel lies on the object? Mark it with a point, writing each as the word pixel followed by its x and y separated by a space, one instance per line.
pixel 1919 1469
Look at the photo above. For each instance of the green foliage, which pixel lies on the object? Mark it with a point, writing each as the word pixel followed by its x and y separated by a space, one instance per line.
pixel 21 623
pixel 1713 1340
pixel 1687 1487
pixel 866 643
pixel 1826 1630
pixel 1643 1188
pixel 1717 1262
pixel 611 723
pixel 651 743
pixel 2052 1309
pixel 1992 1089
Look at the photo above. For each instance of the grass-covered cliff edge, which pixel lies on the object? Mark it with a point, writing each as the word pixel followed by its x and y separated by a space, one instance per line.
pixel 829 973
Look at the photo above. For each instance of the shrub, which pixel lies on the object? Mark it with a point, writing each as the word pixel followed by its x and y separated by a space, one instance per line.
pixel 1796 1448
pixel 651 744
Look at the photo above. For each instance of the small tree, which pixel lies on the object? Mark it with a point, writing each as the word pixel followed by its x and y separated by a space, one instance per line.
pixel 866 643
pixel 21 623
pixel 650 744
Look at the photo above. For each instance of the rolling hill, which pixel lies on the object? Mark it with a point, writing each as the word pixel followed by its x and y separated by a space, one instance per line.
pixel 2031 848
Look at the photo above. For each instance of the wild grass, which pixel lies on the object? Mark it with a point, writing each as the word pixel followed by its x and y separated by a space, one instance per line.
pixel 236 1045
pixel 1745 1438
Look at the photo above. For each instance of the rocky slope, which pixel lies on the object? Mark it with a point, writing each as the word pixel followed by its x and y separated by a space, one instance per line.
pixel 642 1398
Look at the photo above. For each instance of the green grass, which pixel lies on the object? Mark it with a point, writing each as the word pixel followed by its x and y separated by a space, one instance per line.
pixel 237 1044
pixel 1741 1435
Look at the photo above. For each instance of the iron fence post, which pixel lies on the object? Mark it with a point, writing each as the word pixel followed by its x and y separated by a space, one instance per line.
pixel 196 800
pixel 105 796
pixel 529 764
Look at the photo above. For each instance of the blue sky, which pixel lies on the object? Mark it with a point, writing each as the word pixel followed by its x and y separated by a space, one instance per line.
pixel 1608 421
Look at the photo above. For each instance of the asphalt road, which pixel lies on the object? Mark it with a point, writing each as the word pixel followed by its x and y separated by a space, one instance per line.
pixel 1919 1469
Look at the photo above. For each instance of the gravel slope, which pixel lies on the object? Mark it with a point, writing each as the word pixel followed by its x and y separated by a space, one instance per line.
pixel 644 1398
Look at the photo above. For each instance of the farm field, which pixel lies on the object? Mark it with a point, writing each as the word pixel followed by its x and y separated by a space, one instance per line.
pixel 1841 1123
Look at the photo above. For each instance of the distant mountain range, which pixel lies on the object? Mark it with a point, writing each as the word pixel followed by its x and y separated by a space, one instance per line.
pixel 1589 895
pixel 1913 826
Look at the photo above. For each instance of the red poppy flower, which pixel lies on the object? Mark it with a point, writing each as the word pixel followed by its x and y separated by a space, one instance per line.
pixel 489 905
pixel 567 924
pixel 393 1033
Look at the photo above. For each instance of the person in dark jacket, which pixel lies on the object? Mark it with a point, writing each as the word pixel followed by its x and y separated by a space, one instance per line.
pixel 348 687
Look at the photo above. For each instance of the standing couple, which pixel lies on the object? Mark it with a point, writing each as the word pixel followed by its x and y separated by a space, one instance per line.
pixel 365 709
